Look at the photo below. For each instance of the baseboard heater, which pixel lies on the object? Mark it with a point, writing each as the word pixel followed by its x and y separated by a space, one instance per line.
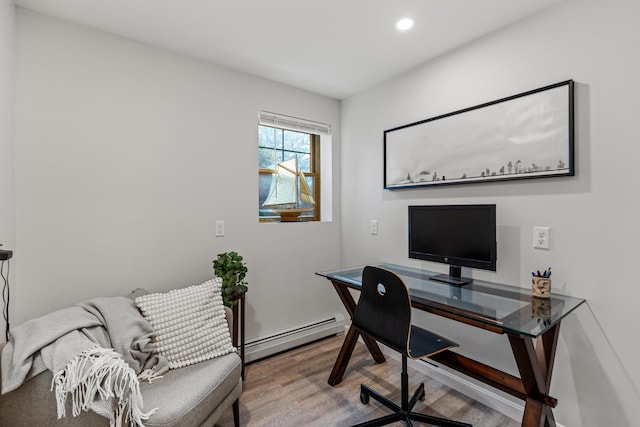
pixel 500 402
pixel 281 341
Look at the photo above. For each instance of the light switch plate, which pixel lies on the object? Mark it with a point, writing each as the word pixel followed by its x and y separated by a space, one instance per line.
pixel 219 228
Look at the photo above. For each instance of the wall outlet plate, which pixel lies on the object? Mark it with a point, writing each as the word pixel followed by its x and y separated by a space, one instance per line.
pixel 541 237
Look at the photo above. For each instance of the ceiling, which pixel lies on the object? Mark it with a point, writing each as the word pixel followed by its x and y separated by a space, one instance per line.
pixel 331 47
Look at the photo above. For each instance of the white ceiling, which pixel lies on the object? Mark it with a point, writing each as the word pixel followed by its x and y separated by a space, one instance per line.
pixel 332 47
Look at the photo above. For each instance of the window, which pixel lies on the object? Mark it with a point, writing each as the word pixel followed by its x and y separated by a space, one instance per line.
pixel 282 154
pixel 286 158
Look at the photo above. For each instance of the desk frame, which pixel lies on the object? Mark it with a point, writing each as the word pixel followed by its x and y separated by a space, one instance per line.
pixel 535 362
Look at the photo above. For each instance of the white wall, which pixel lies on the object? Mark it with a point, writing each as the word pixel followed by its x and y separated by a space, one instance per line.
pixel 7 197
pixel 126 155
pixel 593 216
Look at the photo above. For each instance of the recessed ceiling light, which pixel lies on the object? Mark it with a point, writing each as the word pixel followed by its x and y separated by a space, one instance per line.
pixel 405 24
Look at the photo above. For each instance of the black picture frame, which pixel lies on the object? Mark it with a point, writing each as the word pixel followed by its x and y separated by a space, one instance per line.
pixel 528 135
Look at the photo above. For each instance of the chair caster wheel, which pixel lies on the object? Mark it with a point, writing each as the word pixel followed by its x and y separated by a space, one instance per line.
pixel 364 398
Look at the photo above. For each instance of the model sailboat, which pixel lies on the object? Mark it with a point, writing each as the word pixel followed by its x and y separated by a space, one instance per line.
pixel 289 190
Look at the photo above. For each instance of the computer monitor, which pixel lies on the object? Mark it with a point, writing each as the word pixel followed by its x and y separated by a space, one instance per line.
pixel 458 235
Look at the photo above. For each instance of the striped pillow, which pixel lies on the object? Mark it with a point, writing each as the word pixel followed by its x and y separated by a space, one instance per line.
pixel 190 323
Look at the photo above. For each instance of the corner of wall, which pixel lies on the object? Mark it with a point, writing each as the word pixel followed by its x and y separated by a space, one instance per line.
pixel 7 174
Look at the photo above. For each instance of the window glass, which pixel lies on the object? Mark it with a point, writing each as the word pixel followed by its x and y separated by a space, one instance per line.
pixel 280 145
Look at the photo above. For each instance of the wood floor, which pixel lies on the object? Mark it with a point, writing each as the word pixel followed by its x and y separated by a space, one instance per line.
pixel 291 389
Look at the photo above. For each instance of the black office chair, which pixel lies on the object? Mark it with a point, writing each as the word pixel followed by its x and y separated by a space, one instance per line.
pixel 384 313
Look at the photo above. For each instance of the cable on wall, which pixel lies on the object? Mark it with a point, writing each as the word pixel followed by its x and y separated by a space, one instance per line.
pixel 5 297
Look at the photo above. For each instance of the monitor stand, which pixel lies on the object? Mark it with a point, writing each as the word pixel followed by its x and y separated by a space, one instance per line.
pixel 454 277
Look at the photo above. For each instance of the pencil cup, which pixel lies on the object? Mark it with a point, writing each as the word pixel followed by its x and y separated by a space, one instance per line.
pixel 541 287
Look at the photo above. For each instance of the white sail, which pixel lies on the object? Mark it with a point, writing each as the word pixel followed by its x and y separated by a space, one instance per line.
pixel 305 191
pixel 284 185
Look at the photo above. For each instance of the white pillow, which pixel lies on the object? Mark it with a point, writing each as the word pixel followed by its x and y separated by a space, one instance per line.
pixel 190 323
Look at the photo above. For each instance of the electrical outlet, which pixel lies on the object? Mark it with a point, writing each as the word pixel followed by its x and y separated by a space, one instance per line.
pixel 541 237
pixel 373 226
pixel 219 228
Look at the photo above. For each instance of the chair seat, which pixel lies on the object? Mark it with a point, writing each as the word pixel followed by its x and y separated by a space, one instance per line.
pixel 425 343
pixel 195 392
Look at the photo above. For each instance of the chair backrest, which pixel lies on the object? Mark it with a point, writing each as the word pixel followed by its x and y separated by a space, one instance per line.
pixel 384 308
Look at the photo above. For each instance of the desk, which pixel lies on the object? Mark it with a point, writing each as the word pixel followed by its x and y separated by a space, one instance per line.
pixel 532 326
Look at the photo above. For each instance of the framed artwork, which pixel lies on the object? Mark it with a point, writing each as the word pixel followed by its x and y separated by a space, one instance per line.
pixel 528 135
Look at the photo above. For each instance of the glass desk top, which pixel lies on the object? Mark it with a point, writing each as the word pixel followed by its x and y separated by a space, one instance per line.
pixel 510 308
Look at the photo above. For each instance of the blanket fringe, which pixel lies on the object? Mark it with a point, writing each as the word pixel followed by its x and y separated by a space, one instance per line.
pixel 100 372
pixel 149 375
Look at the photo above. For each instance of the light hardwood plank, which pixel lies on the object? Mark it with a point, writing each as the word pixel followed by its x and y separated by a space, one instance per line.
pixel 290 389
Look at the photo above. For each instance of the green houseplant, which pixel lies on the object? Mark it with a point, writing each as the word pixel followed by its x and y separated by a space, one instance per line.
pixel 232 270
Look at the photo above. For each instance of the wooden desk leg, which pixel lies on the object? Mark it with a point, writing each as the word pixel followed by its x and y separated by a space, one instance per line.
pixel 342 360
pixel 350 340
pixel 536 368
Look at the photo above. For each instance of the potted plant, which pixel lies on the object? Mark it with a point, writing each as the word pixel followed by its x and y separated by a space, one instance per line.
pixel 230 268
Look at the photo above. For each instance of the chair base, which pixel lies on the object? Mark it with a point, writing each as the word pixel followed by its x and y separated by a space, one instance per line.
pixel 400 414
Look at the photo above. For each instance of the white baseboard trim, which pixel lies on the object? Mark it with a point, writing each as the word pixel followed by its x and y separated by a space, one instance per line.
pixel 486 396
pixel 506 405
pixel 285 340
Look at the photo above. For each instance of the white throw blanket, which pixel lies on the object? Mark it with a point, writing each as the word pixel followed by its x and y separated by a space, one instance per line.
pixel 75 345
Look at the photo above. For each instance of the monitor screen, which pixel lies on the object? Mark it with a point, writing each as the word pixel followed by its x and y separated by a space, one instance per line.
pixel 458 235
